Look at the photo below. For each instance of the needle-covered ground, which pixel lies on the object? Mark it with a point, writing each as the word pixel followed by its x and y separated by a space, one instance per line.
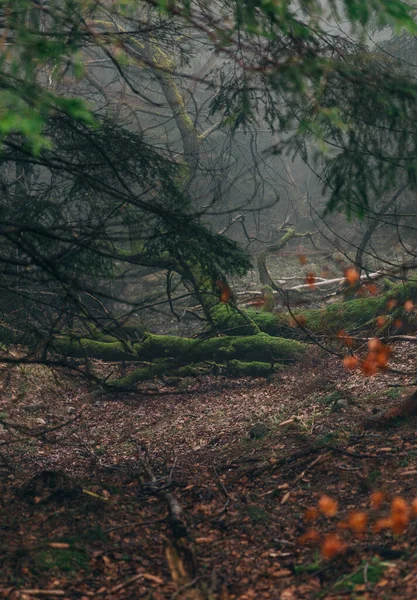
pixel 245 459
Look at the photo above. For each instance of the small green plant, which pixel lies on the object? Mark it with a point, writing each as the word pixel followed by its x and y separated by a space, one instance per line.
pixel 312 567
pixel 369 572
pixel 330 399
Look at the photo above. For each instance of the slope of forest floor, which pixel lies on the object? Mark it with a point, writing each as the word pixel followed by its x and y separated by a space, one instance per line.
pixel 76 520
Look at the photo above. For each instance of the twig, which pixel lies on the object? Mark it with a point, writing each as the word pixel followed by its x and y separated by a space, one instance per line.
pixel 121 586
pixel 39 592
pixel 135 524
pixel 348 453
pixel 184 587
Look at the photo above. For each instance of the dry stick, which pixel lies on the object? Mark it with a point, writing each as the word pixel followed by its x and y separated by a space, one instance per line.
pixel 35 434
pixel 180 556
pixel 225 492
pixel 39 592
pixel 121 586
pixel 184 587
pixel 136 524
pixel 175 519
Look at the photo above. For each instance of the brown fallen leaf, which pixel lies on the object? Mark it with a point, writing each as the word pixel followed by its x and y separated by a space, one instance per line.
pixel 61 545
pixel 285 498
pixel 152 578
pixel 281 573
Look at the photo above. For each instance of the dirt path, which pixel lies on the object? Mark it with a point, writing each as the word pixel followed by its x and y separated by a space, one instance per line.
pixel 244 459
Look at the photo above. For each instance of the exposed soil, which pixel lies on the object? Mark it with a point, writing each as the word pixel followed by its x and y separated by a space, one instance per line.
pixel 219 447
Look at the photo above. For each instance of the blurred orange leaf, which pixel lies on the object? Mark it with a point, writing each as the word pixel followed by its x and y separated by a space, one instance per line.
pixel 369 365
pixel 225 291
pixel 408 305
pixel 398 323
pixel 391 304
pixel 350 362
pixel 377 499
pixel 374 344
pixel 400 515
pixel 310 536
pixel 298 320
pixel 302 259
pixel 381 524
pixel 352 275
pixel 372 289
pixel 311 514
pixel 344 337
pixel 358 521
pixel 332 546
pixel 327 506
pixel 380 321
pixel 310 280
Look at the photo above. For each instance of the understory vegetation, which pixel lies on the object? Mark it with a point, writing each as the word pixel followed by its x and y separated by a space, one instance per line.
pixel 208 299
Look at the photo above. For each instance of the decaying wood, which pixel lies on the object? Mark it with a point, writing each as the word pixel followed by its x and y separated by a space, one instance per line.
pixel 178 548
pixel 406 408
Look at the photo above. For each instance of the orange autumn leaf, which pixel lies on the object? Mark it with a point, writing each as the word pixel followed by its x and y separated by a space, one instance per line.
pixel 311 514
pixel 374 344
pixel 345 338
pixel 302 259
pixel 398 323
pixel 327 506
pixel 408 305
pixel 399 506
pixel 372 289
pixel 391 304
pixel 225 291
pixel 399 523
pixel 298 320
pixel 385 523
pixel 382 357
pixel 310 280
pixel 369 365
pixel 400 515
pixel 377 499
pixel 311 536
pixel 352 276
pixel 380 321
pixel 358 521
pixel 332 546
pixel 350 362
pixel 301 320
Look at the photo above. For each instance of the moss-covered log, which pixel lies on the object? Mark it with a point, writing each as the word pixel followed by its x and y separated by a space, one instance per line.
pixel 235 368
pixel 349 315
pixel 261 347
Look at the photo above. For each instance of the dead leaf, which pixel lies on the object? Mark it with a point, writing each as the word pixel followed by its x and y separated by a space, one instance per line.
pixel 153 578
pixel 285 497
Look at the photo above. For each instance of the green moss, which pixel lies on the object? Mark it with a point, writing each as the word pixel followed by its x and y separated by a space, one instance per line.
pixel 254 368
pixel 64 560
pixel 269 301
pixel 85 347
pixel 232 322
pixel 253 354
pixel 348 315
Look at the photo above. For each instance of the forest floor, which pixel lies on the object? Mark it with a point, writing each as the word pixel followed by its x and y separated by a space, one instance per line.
pixel 244 459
